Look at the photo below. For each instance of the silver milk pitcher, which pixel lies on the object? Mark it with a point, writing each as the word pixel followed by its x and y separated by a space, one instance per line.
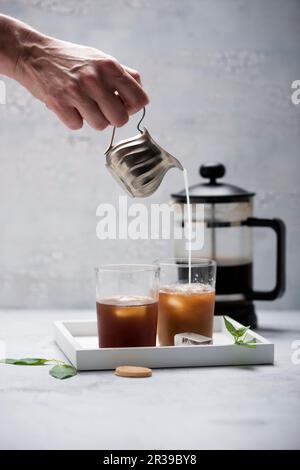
pixel 139 163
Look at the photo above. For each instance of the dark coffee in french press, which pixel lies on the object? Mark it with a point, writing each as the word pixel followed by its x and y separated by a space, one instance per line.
pixel 228 233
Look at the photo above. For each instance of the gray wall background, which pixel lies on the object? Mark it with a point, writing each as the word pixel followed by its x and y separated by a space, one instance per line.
pixel 219 74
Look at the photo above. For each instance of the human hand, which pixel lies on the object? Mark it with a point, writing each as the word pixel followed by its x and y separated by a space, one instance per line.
pixel 79 83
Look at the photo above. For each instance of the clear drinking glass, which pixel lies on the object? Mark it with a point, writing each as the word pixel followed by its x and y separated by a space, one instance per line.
pixel 186 298
pixel 127 302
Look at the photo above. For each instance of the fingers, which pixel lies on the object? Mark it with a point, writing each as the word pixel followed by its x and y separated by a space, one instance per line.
pixel 100 93
pixel 91 113
pixel 112 107
pixel 134 73
pixel 131 92
pixel 112 77
pixel 68 115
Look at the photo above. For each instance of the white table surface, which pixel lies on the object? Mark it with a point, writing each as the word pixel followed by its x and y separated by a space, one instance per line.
pixel 197 408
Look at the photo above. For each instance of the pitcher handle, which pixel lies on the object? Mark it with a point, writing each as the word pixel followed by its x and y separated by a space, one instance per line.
pixel 114 131
pixel 279 227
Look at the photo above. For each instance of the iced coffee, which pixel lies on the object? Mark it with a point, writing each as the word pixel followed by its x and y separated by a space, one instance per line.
pixel 126 321
pixel 186 298
pixel 127 305
pixel 185 308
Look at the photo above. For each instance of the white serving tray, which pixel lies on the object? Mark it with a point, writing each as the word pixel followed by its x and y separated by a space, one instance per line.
pixel 78 340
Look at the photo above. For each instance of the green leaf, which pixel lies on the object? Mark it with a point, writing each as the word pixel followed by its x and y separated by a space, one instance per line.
pixel 232 330
pixel 241 331
pixel 238 334
pixel 63 371
pixel 59 371
pixel 247 344
pixel 26 361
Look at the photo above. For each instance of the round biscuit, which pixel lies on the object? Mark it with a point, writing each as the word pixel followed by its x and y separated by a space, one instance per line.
pixel 133 371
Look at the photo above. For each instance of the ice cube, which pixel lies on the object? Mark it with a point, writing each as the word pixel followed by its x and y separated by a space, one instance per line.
pixel 183 339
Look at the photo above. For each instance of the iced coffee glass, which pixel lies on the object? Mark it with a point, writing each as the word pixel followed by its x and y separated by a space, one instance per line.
pixel 126 301
pixel 186 298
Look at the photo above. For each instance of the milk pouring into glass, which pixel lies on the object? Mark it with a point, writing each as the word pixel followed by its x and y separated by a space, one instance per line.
pixel 189 222
pixel 139 165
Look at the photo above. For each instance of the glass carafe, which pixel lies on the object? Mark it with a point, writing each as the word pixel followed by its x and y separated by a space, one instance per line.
pixel 228 239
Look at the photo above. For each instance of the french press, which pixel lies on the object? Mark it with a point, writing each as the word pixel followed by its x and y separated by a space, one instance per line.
pixel 228 234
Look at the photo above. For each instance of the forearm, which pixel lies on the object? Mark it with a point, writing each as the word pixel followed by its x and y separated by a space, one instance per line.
pixel 15 38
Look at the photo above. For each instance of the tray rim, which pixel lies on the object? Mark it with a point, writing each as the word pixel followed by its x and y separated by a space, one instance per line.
pixel 61 325
pixel 80 356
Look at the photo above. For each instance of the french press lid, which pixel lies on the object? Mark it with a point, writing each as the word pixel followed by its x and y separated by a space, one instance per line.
pixel 214 191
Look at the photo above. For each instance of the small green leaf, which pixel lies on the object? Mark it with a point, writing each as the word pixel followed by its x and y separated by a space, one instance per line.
pixel 238 334
pixel 241 331
pixel 26 361
pixel 62 371
pixel 59 371
pixel 232 330
pixel 247 344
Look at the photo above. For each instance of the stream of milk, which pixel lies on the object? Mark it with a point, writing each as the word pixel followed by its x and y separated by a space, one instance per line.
pixel 189 223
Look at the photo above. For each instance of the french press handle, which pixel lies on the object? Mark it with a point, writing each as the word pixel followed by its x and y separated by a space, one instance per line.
pixel 279 227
